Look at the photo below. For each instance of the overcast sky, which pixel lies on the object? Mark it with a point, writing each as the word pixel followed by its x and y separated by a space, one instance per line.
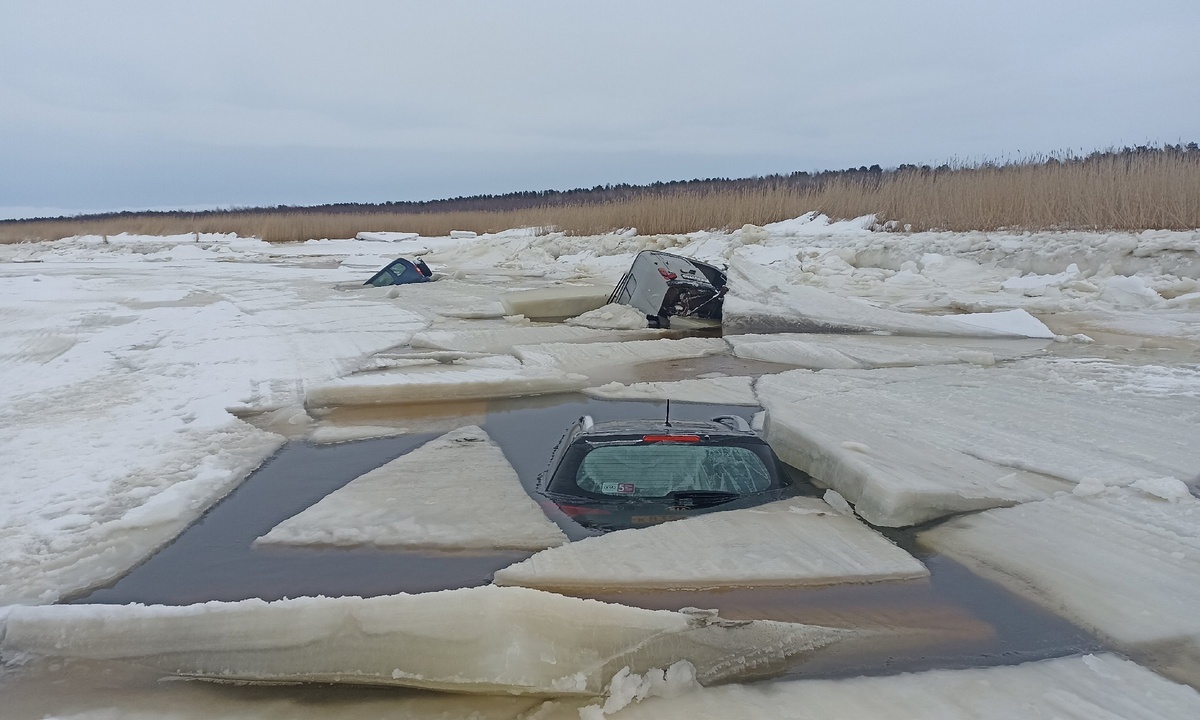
pixel 107 105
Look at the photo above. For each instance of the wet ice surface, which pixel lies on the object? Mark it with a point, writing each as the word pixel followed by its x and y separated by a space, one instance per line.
pixel 482 640
pixel 799 542
pixel 906 445
pixel 1124 562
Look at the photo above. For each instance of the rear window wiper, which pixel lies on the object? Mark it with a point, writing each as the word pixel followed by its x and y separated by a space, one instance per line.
pixel 703 497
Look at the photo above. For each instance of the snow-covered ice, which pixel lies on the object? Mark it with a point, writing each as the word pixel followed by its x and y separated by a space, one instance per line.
pixel 455 492
pixel 561 301
pixel 717 391
pixel 762 300
pixel 1073 688
pixel 116 373
pixel 795 542
pixel 486 640
pixel 454 383
pixel 906 445
pixel 1123 562
pixel 827 351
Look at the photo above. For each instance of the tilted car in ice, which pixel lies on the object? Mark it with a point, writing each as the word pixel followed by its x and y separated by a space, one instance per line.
pixel 632 473
pixel 401 271
pixel 664 286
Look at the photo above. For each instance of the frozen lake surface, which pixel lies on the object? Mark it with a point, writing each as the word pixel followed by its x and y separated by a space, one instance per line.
pixel 144 379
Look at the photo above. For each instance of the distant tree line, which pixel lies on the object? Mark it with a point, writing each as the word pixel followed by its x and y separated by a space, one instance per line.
pixel 601 194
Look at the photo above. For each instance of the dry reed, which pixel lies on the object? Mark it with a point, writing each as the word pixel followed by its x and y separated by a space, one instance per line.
pixel 1122 191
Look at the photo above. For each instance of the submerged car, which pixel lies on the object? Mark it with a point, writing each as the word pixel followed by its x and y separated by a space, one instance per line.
pixel 633 473
pixel 665 286
pixel 401 271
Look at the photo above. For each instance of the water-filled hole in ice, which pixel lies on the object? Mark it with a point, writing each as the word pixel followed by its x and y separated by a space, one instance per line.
pixel 953 620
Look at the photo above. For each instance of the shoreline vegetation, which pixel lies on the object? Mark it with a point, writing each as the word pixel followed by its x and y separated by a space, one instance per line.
pixel 1130 189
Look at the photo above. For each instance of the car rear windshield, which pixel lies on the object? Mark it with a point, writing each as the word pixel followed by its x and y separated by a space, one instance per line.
pixel 658 469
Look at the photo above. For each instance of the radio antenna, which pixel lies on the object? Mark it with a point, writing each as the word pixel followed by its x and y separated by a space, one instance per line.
pixel 667 422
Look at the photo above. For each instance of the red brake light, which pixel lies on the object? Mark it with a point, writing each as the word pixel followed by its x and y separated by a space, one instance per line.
pixel 572 511
pixel 670 438
pixel 667 274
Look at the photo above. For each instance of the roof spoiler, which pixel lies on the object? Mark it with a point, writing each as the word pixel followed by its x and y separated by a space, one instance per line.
pixel 734 421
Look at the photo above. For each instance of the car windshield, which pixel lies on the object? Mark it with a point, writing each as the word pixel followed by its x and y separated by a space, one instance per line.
pixel 659 469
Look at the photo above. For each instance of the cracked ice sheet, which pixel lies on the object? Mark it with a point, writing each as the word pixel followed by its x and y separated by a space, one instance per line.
pixel 761 299
pixel 99 690
pixel 114 386
pixel 796 542
pixel 1092 687
pixel 717 391
pixel 483 640
pixel 906 445
pixel 1122 562
pixel 828 351
pixel 456 492
pixel 605 355
pixel 439 385
pixel 502 339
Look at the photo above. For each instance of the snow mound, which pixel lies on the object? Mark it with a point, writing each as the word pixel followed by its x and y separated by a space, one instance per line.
pixel 936 440
pixel 627 687
pixel 796 542
pixel 502 340
pixel 826 351
pixel 608 354
pixel 611 317
pixel 1073 688
pixel 1120 562
pixel 562 301
pixel 762 300
pixel 471 383
pixel 455 492
pixel 483 640
pixel 717 391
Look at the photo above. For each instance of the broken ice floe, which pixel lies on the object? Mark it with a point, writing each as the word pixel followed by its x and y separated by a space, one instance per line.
pixel 1123 562
pixel 717 391
pixel 455 492
pixel 796 542
pixel 1072 688
pixel 472 383
pixel 574 356
pixel 486 640
pixel 906 445
pixel 502 340
pixel 827 351
pixel 562 301
pixel 762 300
pixel 611 317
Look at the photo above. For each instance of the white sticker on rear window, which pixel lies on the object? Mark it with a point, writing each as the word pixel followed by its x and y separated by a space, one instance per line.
pixel 613 488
